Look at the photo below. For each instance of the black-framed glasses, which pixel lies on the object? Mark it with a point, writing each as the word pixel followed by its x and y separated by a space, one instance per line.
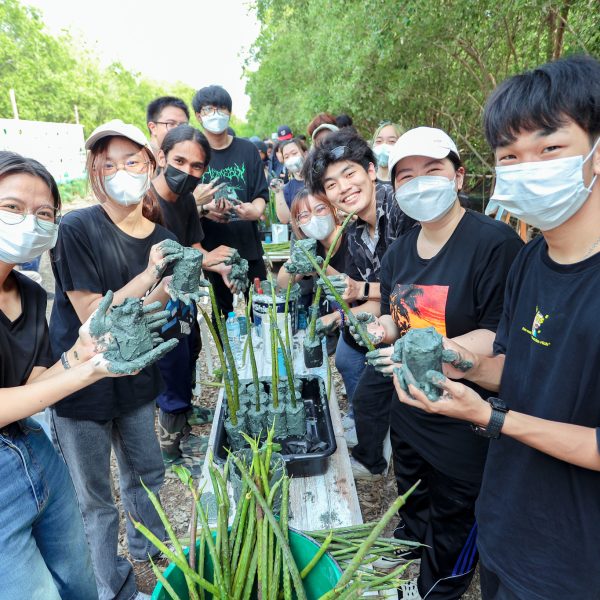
pixel 171 124
pixel 209 111
pixel 332 155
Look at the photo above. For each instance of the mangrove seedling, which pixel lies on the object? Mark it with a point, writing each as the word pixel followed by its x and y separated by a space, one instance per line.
pixel 298 265
pixel 251 352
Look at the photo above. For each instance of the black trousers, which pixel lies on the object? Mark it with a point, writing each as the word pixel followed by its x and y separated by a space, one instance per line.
pixel 256 268
pixel 439 513
pixel 491 586
pixel 372 402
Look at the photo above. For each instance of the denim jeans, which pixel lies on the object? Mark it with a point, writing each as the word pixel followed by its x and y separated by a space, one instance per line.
pixel 350 363
pixel 43 551
pixel 85 446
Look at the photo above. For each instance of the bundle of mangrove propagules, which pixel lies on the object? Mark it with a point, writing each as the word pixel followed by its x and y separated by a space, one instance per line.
pixel 254 555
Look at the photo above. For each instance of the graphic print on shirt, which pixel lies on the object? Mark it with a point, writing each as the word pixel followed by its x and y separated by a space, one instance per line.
pixel 536 328
pixel 413 305
pixel 234 175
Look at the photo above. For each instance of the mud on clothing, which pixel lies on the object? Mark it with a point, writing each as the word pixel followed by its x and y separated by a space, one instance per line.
pixel 93 254
pixel 539 517
pixel 239 165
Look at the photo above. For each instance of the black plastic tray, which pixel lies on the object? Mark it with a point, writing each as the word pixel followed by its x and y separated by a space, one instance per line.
pixel 318 423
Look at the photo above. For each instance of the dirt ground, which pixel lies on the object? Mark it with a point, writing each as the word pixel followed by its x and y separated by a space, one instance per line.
pixel 374 498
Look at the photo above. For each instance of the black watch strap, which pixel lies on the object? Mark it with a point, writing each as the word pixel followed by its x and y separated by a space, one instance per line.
pixel 494 427
pixel 367 288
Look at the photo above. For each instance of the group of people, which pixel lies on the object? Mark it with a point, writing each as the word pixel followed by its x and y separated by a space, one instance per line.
pixel 508 457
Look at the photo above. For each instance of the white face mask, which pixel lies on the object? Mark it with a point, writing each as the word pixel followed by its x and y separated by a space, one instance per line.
pixel 382 154
pixel 22 241
pixel 215 123
pixel 545 193
pixel 318 228
pixel 127 188
pixel 427 198
pixel 294 165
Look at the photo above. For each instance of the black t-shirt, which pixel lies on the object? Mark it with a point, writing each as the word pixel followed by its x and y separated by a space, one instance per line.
pixel 181 218
pixel 290 189
pixel 457 291
pixel 93 254
pixel 24 342
pixel 539 517
pixel 239 165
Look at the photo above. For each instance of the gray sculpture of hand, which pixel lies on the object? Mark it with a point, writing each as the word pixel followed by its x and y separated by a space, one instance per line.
pixel 186 282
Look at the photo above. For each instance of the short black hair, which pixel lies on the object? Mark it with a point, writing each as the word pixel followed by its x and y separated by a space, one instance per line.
pixel 343 120
pixel 543 97
pixel 211 95
pixel 185 133
pixel 343 145
pixel 159 104
pixel 12 163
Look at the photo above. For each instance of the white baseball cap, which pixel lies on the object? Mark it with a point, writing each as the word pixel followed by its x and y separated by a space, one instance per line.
pixel 323 126
pixel 117 127
pixel 422 141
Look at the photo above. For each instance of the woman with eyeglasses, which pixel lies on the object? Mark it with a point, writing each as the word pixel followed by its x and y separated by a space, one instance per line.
pixel 43 550
pixel 114 245
pixel 293 153
pixel 384 138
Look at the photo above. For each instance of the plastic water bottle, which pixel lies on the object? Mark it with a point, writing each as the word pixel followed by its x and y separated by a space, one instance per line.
pixel 233 335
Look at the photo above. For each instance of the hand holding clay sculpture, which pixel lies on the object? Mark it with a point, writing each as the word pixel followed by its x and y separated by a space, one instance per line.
pixel 186 281
pixel 128 332
pixel 162 254
pixel 371 326
pixel 382 360
pixel 238 277
pixel 299 264
pixel 340 283
pixel 419 351
pixel 325 327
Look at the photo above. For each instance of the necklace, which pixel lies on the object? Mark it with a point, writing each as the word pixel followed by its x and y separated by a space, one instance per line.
pixel 591 250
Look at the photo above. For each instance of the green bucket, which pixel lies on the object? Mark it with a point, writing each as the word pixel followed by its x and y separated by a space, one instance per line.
pixel 325 574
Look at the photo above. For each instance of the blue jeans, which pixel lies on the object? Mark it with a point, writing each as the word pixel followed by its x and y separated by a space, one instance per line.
pixel 350 363
pixel 43 551
pixel 85 446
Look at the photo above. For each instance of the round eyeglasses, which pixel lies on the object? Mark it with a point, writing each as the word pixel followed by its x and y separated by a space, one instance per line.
pixel 12 213
pixel 318 211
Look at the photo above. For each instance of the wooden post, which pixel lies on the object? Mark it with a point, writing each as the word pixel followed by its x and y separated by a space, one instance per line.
pixel 13 101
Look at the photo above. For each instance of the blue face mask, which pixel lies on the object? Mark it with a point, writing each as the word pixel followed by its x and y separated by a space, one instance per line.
pixel 427 198
pixel 215 123
pixel 543 193
pixel 382 154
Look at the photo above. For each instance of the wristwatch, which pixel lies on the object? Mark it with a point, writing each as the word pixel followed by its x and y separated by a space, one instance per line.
pixel 366 292
pixel 494 427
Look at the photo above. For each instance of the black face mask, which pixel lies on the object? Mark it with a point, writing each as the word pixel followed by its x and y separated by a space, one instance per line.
pixel 180 183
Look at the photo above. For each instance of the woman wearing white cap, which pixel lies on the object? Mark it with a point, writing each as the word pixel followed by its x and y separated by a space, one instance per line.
pixel 448 273
pixel 114 245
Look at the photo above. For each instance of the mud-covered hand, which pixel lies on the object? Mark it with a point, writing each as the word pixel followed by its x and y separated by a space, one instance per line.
pixel 116 368
pixel 88 344
pixel 154 317
pixel 457 360
pixel 339 282
pixel 161 255
pixel 382 360
pixel 327 324
pixel 370 325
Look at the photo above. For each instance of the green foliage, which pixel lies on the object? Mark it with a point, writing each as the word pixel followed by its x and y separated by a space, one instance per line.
pixel 71 190
pixel 51 75
pixel 417 62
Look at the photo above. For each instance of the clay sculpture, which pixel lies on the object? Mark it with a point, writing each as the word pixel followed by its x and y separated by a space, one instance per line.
pixel 187 281
pixel 299 264
pixel 419 351
pixel 128 334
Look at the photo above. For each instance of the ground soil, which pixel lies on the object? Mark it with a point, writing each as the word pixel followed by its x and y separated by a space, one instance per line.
pixel 374 498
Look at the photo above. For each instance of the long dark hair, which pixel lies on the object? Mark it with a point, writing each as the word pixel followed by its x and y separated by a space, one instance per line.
pixel 186 133
pixel 150 207
pixel 12 163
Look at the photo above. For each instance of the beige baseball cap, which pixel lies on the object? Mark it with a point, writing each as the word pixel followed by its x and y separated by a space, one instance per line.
pixel 422 141
pixel 117 127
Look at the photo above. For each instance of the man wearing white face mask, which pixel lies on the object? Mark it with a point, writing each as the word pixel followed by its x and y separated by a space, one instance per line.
pixel 447 273
pixel 235 163
pixel 538 511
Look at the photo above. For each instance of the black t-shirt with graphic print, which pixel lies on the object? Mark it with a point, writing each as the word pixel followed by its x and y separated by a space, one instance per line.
pixel 457 291
pixel 539 517
pixel 24 342
pixel 239 165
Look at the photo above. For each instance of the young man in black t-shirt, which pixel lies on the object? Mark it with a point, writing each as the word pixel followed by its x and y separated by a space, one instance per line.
pixel 343 168
pixel 539 510
pixel 236 163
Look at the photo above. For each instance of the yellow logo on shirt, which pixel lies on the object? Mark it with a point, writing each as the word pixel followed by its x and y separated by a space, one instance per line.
pixel 536 327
